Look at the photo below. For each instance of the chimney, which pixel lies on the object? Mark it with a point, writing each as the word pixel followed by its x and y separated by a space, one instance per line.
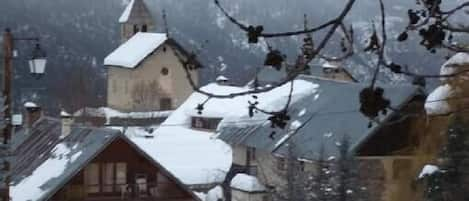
pixel 67 121
pixel 33 113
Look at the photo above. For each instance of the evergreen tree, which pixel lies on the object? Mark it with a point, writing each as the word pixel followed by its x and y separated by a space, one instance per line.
pixel 348 185
pixel 320 186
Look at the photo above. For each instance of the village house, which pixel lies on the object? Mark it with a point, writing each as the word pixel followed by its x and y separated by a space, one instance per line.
pixel 147 71
pixel 320 118
pixel 57 160
pixel 333 70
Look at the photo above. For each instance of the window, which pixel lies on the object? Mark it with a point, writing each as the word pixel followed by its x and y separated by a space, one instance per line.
pixel 302 166
pixel 281 164
pixel 144 28
pixel 165 104
pixel 92 178
pixel 135 29
pixel 108 177
pixel 105 177
pixel 205 123
pixel 164 71
pixel 251 153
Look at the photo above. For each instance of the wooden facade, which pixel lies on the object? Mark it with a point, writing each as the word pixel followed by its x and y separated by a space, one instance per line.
pixel 120 172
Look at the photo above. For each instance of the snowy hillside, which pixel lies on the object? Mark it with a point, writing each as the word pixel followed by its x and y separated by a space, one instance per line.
pixel 82 33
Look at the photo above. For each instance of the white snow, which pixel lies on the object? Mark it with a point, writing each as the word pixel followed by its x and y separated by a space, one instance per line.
pixel 428 170
pixel 222 78
pixel 64 114
pixel 202 196
pixel 137 48
pixel 197 157
pixel 246 183
pixel 110 113
pixel 436 103
pixel 192 156
pixel 450 66
pixel 30 105
pixel 215 194
pixel 331 64
pixel 126 14
pixel 50 169
pixel 295 124
pixel 302 112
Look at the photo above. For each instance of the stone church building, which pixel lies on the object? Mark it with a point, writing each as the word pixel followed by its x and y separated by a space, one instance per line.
pixel 146 72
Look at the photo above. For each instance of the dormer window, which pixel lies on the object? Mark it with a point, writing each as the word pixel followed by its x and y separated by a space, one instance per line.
pixel 205 123
pixel 144 28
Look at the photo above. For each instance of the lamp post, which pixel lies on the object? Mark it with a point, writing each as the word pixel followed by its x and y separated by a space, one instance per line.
pixel 37 63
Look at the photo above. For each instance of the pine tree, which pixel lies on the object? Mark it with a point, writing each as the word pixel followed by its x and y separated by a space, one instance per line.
pixel 319 183
pixel 348 186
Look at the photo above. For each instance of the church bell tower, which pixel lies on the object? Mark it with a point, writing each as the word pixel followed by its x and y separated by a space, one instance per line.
pixel 135 18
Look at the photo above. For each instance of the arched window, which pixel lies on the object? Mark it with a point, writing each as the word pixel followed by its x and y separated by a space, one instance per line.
pixel 144 28
pixel 135 29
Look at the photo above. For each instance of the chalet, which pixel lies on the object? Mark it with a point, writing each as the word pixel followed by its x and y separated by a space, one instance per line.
pixel 59 161
pixel 320 118
pixel 146 72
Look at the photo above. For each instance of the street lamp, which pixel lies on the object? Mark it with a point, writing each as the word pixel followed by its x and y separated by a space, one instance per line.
pixel 38 61
pixel 37 64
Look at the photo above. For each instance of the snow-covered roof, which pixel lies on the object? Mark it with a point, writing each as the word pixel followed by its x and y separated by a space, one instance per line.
pixel 247 183
pixel 329 108
pixel 65 114
pixel 109 114
pixel 222 78
pixel 135 50
pixel 437 101
pixel 451 66
pixel 45 161
pixel 194 157
pixel 331 64
pixel 197 157
pixel 126 14
pixel 30 105
pixel 428 170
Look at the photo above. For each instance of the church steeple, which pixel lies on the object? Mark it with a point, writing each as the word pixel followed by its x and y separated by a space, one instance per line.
pixel 135 18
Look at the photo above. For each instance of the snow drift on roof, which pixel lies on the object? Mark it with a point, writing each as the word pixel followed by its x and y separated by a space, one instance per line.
pixel 126 14
pixel 247 183
pixel 30 105
pixel 437 103
pixel 451 66
pixel 137 48
pixel 194 157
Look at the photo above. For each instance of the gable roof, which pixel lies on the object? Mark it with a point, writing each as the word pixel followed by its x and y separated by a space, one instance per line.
pixel 136 9
pixel 324 116
pixel 137 48
pixel 318 70
pixel 45 161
